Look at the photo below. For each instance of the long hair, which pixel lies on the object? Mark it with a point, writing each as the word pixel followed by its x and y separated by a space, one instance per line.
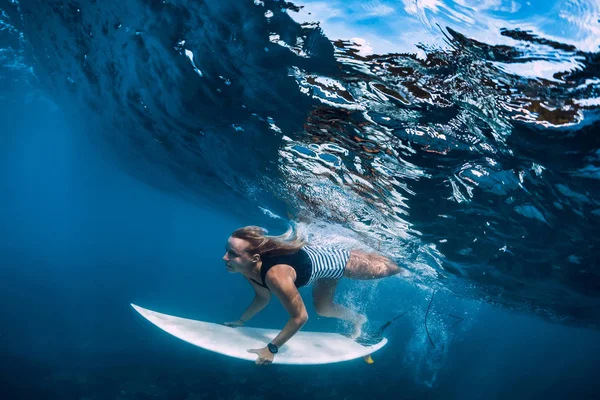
pixel 288 243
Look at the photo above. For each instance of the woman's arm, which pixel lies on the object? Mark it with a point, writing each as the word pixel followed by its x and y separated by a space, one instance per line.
pixel 281 282
pixel 262 297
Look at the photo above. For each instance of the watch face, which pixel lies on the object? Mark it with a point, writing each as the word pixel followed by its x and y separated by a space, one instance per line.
pixel 272 348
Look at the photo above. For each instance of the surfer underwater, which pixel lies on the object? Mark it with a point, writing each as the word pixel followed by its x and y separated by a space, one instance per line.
pixel 280 265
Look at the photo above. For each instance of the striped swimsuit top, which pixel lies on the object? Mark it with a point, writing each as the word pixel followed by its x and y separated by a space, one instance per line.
pixel 310 263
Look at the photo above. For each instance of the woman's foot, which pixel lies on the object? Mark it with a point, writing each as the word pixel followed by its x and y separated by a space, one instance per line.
pixel 361 320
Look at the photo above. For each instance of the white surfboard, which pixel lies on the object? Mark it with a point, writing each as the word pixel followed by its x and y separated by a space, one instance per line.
pixel 304 348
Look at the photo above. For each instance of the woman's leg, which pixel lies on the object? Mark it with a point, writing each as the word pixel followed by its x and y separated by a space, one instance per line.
pixel 323 295
pixel 362 265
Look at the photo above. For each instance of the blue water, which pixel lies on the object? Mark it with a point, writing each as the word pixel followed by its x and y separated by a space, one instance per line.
pixel 459 138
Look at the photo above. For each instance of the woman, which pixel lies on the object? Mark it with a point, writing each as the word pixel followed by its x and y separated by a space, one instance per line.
pixel 281 264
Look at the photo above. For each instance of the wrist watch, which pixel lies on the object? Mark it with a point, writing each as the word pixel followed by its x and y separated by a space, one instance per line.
pixel 272 348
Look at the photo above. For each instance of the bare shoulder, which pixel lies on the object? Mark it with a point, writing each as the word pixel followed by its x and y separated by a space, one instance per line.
pixel 280 274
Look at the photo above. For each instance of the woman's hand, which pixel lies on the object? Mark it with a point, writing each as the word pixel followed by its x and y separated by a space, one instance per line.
pixel 234 324
pixel 265 357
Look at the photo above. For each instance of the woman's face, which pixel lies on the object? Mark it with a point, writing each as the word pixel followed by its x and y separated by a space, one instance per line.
pixel 236 258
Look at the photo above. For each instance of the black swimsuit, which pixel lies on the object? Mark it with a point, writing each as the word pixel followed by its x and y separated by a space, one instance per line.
pixel 299 261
